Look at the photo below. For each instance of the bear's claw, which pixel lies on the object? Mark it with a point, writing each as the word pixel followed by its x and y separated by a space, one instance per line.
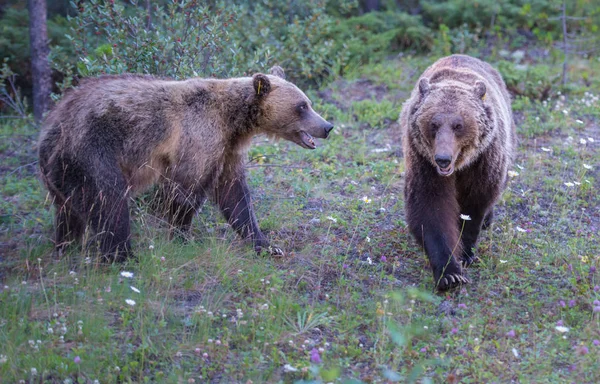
pixel 275 251
pixel 468 260
pixel 452 281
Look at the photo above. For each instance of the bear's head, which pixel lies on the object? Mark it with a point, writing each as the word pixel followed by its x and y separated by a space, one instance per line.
pixel 286 112
pixel 450 123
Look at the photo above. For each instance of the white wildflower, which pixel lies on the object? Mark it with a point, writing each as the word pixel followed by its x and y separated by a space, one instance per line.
pixel 503 261
pixel 366 200
pixel 130 302
pixel 546 149
pixel 582 141
pixel 465 217
pixel 513 173
pixel 134 289
pixel 569 184
pixel 519 229
pixel 129 275
pixel 515 352
pixel 587 166
pixel 369 261
pixel 591 139
pixel 579 121
pixel 151 247
pixel 562 329
pixel 289 368
pixel 332 219
pixel 576 183
pixel 368 239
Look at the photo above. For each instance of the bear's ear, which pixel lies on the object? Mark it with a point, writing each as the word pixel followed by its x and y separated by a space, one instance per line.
pixel 424 86
pixel 262 85
pixel 276 70
pixel 480 90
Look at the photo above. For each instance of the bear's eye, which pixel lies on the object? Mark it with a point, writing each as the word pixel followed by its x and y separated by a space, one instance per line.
pixel 434 126
pixel 302 107
pixel 457 127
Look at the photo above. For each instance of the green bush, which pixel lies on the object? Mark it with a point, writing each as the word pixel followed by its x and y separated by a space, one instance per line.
pixel 535 82
pixel 374 35
pixel 178 40
pixel 298 35
pixel 15 52
pixel 186 38
pixel 495 15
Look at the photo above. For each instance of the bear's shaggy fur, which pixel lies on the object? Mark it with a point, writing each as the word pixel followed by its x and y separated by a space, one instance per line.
pixel 114 136
pixel 458 141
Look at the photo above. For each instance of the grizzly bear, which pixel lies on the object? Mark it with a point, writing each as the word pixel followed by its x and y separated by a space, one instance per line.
pixel 458 138
pixel 114 136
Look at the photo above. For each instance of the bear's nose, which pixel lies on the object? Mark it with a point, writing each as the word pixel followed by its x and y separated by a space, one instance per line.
pixel 443 160
pixel 328 127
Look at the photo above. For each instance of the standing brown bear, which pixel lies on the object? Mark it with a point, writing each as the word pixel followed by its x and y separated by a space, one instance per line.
pixel 114 136
pixel 458 141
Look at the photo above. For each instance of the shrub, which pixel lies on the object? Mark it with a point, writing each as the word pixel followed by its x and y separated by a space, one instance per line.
pixel 374 35
pixel 178 40
pixel 534 82
pixel 296 35
pixel 186 38
pixel 489 14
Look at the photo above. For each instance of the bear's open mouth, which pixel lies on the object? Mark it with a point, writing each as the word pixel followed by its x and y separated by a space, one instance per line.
pixel 307 140
pixel 446 171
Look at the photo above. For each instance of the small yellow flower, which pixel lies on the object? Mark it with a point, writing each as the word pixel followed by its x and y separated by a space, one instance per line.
pixel 366 200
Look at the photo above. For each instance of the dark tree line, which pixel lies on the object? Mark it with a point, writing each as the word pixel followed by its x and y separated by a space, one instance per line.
pixel 40 66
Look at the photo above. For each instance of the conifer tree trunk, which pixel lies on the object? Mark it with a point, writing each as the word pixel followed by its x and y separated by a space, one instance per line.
pixel 40 66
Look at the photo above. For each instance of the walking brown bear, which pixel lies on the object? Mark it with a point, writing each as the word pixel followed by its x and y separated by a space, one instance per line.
pixel 114 136
pixel 458 141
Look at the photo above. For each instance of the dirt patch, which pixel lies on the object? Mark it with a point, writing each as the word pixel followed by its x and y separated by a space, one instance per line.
pixel 343 93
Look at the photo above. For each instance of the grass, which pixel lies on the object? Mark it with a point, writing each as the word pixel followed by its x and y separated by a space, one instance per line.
pixel 351 300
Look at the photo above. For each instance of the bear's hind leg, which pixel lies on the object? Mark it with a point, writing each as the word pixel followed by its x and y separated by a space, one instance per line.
pixel 181 208
pixel 109 219
pixel 102 199
pixel 69 228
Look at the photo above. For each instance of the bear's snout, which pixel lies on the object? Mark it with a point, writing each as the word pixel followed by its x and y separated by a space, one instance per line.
pixel 328 128
pixel 443 161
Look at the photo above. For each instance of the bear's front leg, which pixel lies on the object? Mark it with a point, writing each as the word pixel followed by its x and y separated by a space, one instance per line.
pixel 476 200
pixel 431 212
pixel 470 229
pixel 233 198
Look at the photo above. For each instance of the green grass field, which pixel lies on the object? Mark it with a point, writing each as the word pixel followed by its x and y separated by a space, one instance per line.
pixel 352 300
